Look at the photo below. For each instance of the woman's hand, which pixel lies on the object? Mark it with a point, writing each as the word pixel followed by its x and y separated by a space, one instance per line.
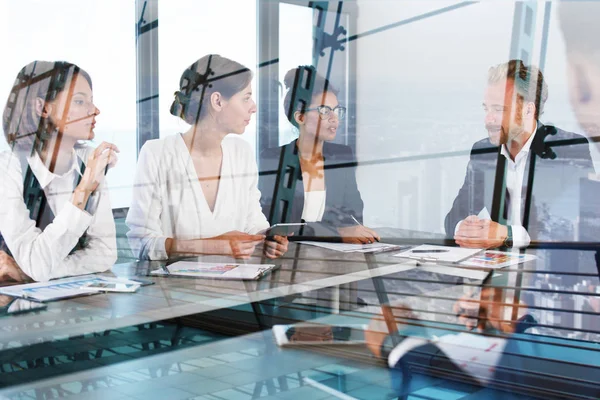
pixel 358 234
pixel 238 244
pixel 277 247
pixel 9 270
pixel 102 157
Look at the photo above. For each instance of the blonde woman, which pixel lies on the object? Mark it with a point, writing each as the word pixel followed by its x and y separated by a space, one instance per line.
pixel 55 216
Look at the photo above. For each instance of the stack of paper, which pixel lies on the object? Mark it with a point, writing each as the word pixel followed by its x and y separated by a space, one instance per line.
pixel 355 248
pixel 59 288
pixel 429 252
pixel 497 259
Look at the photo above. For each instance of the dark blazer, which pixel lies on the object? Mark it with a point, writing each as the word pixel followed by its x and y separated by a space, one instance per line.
pixel 555 193
pixel 343 198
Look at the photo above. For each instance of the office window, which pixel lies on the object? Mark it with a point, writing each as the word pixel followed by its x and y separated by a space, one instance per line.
pixel 190 29
pixel 98 36
pixel 295 48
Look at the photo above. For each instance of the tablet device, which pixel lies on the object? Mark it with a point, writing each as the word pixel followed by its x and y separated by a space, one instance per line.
pixel 142 282
pixel 285 229
pixel 313 334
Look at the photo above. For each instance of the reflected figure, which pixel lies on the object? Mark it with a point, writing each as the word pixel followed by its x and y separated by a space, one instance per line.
pixel 55 214
pixel 326 196
pixel 492 356
pixel 490 351
pixel 196 192
pixel 513 102
pixel 578 20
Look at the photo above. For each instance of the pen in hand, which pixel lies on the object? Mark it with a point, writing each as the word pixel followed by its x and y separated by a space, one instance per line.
pixel 429 251
pixel 107 165
pixel 358 223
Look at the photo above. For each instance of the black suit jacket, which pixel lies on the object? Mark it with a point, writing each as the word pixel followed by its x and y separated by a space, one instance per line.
pixel 555 193
pixel 342 200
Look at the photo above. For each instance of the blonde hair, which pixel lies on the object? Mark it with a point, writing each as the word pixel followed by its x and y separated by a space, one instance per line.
pixel 529 82
pixel 21 122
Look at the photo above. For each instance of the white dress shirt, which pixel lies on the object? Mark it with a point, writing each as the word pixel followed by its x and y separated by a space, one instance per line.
pixel 314 205
pixel 168 201
pixel 44 255
pixel 515 173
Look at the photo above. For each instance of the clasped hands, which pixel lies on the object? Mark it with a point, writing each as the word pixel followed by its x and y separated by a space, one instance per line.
pixel 477 313
pixel 474 232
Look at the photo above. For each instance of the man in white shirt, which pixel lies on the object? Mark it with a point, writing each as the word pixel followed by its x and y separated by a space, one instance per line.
pixel 513 101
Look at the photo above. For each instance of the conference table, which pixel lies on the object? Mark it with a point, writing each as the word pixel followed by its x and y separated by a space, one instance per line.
pixel 178 338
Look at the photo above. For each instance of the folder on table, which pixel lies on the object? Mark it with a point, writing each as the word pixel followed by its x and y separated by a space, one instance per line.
pixel 216 270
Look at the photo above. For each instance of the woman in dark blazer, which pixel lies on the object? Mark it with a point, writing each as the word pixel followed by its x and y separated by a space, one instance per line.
pixel 325 196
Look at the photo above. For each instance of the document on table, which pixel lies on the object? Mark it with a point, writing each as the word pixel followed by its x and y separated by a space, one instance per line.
pixel 216 270
pixel 59 288
pixel 475 354
pixel 433 253
pixel 497 259
pixel 355 248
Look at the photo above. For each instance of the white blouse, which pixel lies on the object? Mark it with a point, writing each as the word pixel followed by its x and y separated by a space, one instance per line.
pixel 314 206
pixel 44 255
pixel 168 201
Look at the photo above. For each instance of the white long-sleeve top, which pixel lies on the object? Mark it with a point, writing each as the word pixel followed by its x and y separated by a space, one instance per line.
pixel 168 201
pixel 44 254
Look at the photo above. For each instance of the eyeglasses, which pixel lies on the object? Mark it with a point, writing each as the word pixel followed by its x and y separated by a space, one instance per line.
pixel 325 111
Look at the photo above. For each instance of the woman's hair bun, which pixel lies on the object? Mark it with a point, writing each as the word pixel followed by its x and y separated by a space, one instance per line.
pixel 290 77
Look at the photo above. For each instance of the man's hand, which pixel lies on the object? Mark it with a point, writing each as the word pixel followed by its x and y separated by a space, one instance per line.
pixel 10 271
pixel 487 311
pixel 382 325
pixel 480 233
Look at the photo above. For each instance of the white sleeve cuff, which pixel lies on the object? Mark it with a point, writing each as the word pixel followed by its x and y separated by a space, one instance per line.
pixel 73 220
pixel 520 236
pixel 457 227
pixel 154 248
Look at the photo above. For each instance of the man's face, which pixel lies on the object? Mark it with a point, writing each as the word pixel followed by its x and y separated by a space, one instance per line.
pixel 503 112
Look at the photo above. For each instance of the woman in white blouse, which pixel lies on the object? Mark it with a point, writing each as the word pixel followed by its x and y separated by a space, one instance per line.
pixel 196 192
pixel 55 216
